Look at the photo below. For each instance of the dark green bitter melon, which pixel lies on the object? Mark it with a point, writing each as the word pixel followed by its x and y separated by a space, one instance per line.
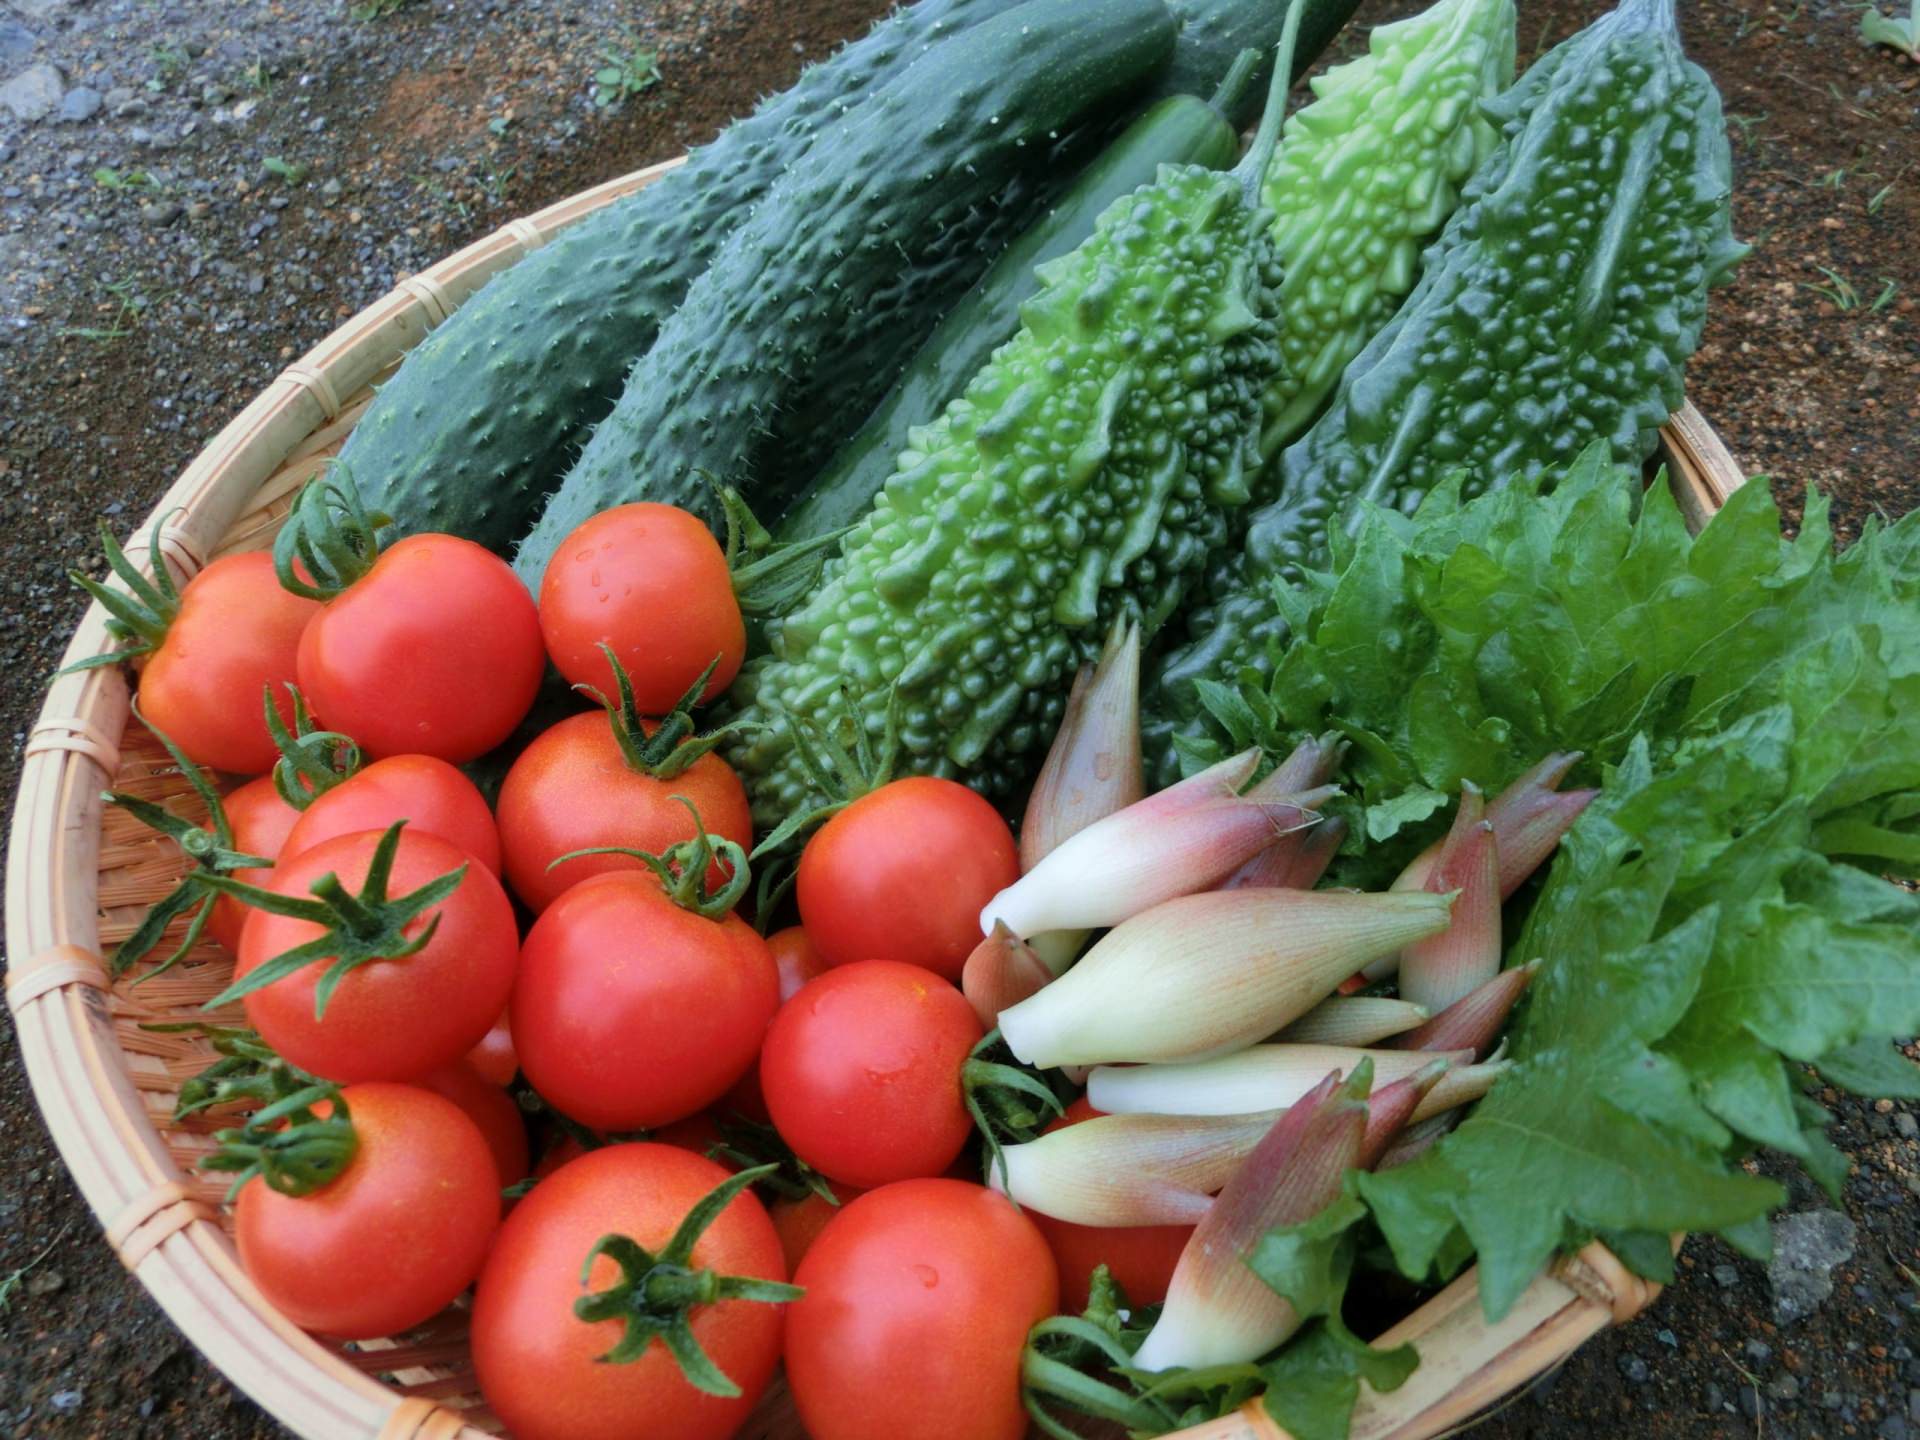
pixel 1559 306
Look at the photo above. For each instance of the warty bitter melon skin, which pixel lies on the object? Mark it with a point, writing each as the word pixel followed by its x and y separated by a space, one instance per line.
pixel 790 299
pixel 473 431
pixel 1559 306
pixel 1089 468
pixel 1365 177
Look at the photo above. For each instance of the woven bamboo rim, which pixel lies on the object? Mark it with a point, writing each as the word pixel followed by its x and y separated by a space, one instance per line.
pixel 80 875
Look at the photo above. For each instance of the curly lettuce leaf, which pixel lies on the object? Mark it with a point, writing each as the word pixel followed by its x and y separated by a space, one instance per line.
pixel 1750 708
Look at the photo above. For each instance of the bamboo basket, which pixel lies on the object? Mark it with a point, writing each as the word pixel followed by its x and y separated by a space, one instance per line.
pixel 80 875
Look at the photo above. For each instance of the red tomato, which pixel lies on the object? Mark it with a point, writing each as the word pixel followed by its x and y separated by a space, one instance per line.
pixel 798 962
pixel 861 1071
pixel 237 632
pixel 395 1238
pixel 260 821
pixel 903 872
pixel 492 1110
pixel 432 796
pixel 493 1059
pixel 798 957
pixel 650 582
pixel 801 1221
pixel 434 651
pixel 540 1366
pixel 1140 1257
pixel 631 1012
pixel 918 1301
pixel 572 789
pixel 389 1019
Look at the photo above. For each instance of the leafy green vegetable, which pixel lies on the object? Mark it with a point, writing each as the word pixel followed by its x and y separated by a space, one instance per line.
pixel 1751 709
pixel 1314 1380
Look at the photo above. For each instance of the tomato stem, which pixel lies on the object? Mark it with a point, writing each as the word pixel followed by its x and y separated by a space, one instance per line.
pixel 656 1293
pixel 139 616
pixel 357 929
pixel 1008 1102
pixel 329 539
pixel 286 1143
pixel 211 852
pixel 769 578
pixel 843 771
pixel 673 746
pixel 312 761
pixel 682 869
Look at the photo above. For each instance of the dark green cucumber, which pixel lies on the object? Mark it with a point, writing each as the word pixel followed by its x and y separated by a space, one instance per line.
pixel 1214 32
pixel 794 291
pixel 486 413
pixel 1177 130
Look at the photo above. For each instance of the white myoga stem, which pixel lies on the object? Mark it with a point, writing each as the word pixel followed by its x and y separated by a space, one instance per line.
pixel 1263 1077
pixel 1093 769
pixel 1208 974
pixel 1355 1020
pixel 1218 1312
pixel 1460 1085
pixel 1185 839
pixel 1293 862
pixel 1131 1169
pixel 1447 967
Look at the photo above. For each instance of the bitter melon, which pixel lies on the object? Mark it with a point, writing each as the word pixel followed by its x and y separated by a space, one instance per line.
pixel 1088 468
pixel 1559 306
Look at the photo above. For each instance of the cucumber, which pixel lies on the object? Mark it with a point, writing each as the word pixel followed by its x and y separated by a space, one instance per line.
pixel 486 412
pixel 1559 307
pixel 803 285
pixel 1213 33
pixel 1177 130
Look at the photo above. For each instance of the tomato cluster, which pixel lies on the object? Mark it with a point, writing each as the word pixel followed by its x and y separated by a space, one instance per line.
pixel 444 966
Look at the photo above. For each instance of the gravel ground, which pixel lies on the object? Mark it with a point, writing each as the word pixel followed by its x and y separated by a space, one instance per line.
pixel 193 193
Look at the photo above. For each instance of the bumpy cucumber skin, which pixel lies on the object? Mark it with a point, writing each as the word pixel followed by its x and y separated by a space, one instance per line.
pixel 1559 306
pixel 1178 130
pixel 1365 177
pixel 1213 32
pixel 791 295
pixel 485 414
pixel 1087 470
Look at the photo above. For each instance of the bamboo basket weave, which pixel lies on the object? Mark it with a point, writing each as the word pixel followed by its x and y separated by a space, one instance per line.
pixel 81 874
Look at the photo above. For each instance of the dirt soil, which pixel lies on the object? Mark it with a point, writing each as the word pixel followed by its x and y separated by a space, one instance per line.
pixel 223 181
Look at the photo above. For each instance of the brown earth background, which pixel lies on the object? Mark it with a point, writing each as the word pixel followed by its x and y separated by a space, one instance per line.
pixel 139 313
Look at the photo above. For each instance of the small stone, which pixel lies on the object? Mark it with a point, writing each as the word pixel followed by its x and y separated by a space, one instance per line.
pixel 161 213
pixel 67 1401
pixel 1749 1402
pixel 1715 1398
pixel 1894 1427
pixel 1913 1406
pixel 131 109
pixel 1667 1338
pixel 331 190
pixel 1831 1400
pixel 1806 1247
pixel 119 95
pixel 1634 1368
pixel 215 94
pixel 34 93
pixel 1785 1389
pixel 1907 1126
pixel 16 41
pixel 1726 1276
pixel 1759 1351
pixel 80 103
pixel 199 210
pixel 45 1282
